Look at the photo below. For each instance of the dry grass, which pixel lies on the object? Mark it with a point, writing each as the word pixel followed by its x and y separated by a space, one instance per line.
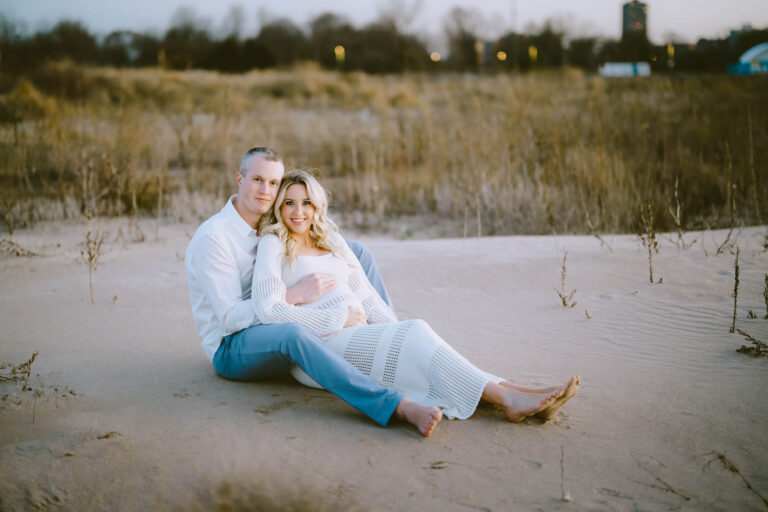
pixel 735 293
pixel 515 154
pixel 566 299
pixel 91 252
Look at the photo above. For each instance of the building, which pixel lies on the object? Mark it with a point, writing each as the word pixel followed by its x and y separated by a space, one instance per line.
pixel 624 69
pixel 635 20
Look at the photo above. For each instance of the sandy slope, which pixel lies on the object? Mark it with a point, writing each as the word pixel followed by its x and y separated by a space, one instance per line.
pixel 129 415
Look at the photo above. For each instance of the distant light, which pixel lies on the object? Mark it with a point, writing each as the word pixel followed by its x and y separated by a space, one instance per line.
pixel 533 53
pixel 339 51
pixel 502 56
pixel 434 57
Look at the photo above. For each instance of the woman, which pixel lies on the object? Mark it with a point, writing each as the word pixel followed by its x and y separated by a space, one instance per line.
pixel 299 239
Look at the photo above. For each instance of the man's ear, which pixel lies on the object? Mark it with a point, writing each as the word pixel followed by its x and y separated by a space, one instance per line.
pixel 239 178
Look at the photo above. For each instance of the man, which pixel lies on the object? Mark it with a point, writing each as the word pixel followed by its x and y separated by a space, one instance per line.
pixel 219 263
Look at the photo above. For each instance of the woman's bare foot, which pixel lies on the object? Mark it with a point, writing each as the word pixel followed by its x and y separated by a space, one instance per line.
pixel 519 405
pixel 570 391
pixel 550 412
pixel 423 417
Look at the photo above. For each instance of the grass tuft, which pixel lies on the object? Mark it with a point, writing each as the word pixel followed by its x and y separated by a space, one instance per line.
pixel 648 237
pixel 91 253
pixel 566 299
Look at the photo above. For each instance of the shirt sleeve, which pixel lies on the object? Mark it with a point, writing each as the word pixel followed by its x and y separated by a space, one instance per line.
pixel 377 311
pixel 268 294
pixel 218 280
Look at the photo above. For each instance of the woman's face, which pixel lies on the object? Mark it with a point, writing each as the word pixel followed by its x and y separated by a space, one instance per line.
pixel 297 210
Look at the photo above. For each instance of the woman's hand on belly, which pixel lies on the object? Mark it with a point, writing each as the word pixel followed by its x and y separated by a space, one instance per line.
pixel 356 317
pixel 310 288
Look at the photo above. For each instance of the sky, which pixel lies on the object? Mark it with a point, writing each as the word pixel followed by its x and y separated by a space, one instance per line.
pixel 679 20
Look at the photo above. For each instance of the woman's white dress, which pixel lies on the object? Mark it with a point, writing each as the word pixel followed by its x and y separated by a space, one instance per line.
pixel 407 356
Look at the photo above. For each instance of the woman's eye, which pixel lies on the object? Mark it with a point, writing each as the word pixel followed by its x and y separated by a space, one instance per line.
pixel 307 203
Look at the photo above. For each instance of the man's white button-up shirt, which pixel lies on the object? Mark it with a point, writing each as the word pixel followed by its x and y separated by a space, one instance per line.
pixel 219 263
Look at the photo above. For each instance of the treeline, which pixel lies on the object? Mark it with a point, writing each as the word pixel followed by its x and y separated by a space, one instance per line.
pixel 379 47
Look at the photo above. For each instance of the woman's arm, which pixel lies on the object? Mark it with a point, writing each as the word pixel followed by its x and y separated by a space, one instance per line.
pixel 268 294
pixel 377 311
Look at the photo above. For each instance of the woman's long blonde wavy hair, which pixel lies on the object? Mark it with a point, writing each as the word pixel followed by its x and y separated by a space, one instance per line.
pixel 322 230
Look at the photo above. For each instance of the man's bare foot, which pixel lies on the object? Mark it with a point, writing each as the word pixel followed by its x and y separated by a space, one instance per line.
pixel 423 417
pixel 519 405
pixel 550 412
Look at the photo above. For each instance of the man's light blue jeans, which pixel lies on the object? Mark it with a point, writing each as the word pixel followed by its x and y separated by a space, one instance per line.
pixel 267 350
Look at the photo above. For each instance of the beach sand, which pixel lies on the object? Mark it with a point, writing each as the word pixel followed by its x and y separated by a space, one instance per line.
pixel 122 410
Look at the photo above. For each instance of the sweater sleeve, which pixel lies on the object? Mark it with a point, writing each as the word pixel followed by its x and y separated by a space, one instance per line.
pixel 377 311
pixel 268 294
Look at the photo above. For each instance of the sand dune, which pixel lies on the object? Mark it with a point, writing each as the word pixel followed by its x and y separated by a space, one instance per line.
pixel 125 413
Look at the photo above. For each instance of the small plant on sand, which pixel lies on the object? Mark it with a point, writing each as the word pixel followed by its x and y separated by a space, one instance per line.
pixel 728 242
pixel 648 236
pixel 678 224
pixel 12 248
pixel 731 467
pixel 18 372
pixel 565 299
pixel 9 218
pixel 735 293
pixel 758 349
pixel 595 233
pixel 765 296
pixel 91 252
pixel 755 193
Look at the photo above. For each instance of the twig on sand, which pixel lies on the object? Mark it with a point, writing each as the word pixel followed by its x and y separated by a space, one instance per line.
pixel 759 348
pixel 667 487
pixel 678 223
pixel 729 466
pixel 565 495
pixel 19 371
pixel 595 233
pixel 765 296
pixel 735 293
pixel 12 248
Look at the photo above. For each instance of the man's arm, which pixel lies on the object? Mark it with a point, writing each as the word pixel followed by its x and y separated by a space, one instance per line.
pixel 217 280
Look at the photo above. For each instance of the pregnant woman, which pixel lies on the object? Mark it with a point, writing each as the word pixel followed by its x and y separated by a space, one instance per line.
pixel 298 239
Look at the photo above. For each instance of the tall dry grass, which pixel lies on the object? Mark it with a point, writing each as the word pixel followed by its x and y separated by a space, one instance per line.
pixel 502 154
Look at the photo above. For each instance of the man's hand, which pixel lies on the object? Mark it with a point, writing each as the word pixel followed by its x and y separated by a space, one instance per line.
pixel 355 317
pixel 310 288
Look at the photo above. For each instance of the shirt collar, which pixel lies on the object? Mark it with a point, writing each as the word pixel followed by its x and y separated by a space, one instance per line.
pixel 238 223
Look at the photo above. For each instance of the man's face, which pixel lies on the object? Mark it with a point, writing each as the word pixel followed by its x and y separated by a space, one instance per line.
pixel 257 189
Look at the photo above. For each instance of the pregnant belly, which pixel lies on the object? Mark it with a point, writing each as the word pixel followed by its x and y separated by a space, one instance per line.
pixel 339 296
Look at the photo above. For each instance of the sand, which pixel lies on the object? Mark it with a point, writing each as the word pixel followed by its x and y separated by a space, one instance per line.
pixel 124 412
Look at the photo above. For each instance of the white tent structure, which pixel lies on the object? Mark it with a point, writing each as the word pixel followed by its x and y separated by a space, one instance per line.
pixel 753 61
